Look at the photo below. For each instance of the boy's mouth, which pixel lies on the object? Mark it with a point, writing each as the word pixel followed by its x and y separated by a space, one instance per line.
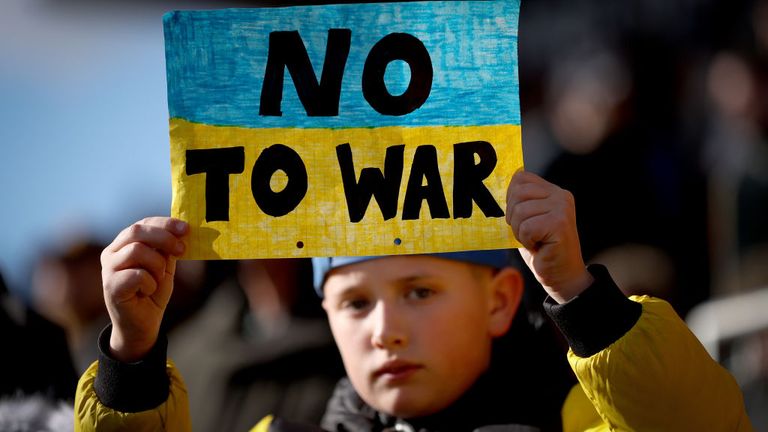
pixel 395 370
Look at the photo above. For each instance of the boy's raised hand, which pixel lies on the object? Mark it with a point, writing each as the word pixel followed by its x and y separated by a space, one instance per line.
pixel 543 219
pixel 137 271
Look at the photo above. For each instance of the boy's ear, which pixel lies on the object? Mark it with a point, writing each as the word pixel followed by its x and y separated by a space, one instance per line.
pixel 506 294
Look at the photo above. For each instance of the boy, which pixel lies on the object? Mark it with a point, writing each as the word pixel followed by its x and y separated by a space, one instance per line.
pixel 416 335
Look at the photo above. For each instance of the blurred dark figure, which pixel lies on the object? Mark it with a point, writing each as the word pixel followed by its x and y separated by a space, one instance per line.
pixel 736 154
pixel 35 358
pixel 734 134
pixel 66 290
pixel 260 345
pixel 615 116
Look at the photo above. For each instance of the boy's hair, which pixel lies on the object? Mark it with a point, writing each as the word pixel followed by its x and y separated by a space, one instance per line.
pixel 492 258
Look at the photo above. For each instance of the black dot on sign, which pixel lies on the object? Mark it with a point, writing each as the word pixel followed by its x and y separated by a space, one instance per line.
pixel 300 244
pixel 398 241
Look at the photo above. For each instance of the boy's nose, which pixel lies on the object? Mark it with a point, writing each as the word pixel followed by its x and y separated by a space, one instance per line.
pixel 388 329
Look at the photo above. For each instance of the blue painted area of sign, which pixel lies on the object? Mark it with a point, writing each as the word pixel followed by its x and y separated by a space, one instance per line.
pixel 216 62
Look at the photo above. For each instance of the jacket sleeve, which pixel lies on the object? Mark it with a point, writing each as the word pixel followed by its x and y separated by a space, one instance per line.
pixel 148 395
pixel 641 367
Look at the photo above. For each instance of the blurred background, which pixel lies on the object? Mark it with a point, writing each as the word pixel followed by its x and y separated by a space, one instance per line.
pixel 653 113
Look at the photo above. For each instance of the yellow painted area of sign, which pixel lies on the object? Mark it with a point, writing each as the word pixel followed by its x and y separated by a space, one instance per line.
pixel 320 225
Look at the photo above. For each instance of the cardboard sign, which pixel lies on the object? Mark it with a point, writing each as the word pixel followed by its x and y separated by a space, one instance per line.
pixel 364 129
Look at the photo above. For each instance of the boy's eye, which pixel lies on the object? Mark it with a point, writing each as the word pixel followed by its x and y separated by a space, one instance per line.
pixel 419 293
pixel 355 304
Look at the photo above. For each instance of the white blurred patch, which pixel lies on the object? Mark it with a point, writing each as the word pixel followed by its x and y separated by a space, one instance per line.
pixel 35 414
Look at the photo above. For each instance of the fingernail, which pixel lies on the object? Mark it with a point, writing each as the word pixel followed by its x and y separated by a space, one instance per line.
pixel 179 248
pixel 181 227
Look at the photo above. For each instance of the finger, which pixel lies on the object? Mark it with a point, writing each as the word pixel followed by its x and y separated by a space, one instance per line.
pixel 124 285
pixel 139 255
pixel 156 237
pixel 170 268
pixel 520 211
pixel 534 231
pixel 163 294
pixel 176 226
pixel 527 191
pixel 523 177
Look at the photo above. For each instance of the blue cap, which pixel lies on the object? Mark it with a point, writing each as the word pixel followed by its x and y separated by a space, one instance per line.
pixel 492 258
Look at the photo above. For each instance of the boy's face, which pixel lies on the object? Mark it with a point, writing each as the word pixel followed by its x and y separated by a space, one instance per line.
pixel 414 332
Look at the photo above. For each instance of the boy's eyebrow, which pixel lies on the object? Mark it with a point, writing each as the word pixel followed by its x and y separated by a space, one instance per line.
pixel 413 278
pixel 399 282
pixel 348 290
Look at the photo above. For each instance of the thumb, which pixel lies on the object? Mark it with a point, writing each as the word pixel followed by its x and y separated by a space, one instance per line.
pixel 527 257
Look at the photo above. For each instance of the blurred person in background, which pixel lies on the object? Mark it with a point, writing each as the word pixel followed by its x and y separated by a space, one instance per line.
pixel 37 380
pixel 66 290
pixel 737 159
pixel 259 345
pixel 614 115
pixel 52 341
pixel 35 357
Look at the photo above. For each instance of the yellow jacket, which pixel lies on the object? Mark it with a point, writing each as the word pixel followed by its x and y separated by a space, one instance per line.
pixel 656 377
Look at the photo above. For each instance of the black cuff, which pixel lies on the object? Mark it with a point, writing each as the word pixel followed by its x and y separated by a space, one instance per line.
pixel 598 317
pixel 132 387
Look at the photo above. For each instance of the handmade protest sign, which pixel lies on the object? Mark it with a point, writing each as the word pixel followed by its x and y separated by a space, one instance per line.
pixel 363 129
